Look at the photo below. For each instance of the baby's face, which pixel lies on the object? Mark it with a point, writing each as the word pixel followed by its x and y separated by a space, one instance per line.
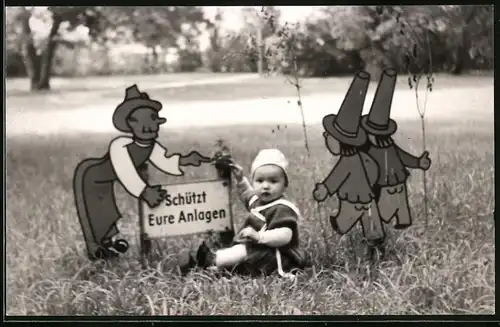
pixel 269 182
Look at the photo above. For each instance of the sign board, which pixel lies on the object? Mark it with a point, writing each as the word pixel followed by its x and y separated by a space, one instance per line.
pixel 189 208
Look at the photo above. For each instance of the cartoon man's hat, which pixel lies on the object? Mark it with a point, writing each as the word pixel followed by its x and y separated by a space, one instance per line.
pixel 133 100
pixel 378 121
pixel 344 126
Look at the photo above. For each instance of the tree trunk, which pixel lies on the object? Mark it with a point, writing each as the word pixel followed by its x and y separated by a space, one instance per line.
pixel 215 64
pixel 154 60
pixel 462 55
pixel 260 50
pixel 38 66
pixel 355 59
pixel 47 56
pixel 147 62
pixel 31 58
pixel 458 65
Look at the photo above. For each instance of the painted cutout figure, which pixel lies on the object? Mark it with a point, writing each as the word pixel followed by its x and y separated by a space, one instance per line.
pixel 392 196
pixel 94 178
pixel 355 173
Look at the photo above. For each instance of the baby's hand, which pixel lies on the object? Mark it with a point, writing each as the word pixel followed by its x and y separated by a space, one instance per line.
pixel 237 171
pixel 249 232
pixel 246 234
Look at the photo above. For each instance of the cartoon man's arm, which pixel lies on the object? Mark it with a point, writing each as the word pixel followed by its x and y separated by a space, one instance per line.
pixel 124 167
pixel 246 193
pixel 408 159
pixel 169 165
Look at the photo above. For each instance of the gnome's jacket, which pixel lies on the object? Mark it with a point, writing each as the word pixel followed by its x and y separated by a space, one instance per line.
pixel 392 162
pixel 94 182
pixel 352 178
pixel 279 214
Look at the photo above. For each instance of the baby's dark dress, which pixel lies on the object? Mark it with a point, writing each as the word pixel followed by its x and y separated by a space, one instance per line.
pixel 277 214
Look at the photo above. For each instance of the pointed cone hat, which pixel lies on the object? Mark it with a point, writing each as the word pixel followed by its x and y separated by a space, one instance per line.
pixel 133 100
pixel 378 121
pixel 344 126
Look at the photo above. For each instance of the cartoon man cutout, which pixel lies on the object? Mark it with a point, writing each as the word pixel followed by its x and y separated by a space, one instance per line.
pixel 392 196
pixel 94 178
pixel 355 173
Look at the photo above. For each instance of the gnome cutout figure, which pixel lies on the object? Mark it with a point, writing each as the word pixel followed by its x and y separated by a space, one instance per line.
pixel 392 196
pixel 94 179
pixel 355 173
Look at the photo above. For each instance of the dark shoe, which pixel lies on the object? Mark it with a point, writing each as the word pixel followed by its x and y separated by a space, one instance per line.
pixel 204 256
pixel 120 245
pixel 187 263
pixel 103 254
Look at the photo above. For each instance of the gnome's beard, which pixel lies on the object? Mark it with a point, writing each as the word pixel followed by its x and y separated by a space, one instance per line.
pixel 382 141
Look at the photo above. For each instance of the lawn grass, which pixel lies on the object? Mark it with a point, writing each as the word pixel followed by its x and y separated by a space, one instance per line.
pixel 278 86
pixel 101 90
pixel 20 86
pixel 448 269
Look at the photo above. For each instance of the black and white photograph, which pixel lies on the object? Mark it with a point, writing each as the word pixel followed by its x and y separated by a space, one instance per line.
pixel 290 161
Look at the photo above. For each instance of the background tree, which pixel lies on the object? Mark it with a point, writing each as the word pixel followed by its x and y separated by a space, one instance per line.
pixel 154 27
pixel 260 23
pixel 213 54
pixel 38 51
pixel 338 41
pixel 345 39
pixel 159 28
pixel 468 35
pixel 243 51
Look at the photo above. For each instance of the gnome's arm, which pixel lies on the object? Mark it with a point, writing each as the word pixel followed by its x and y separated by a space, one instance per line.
pixel 169 165
pixel 193 158
pixel 407 159
pixel 336 178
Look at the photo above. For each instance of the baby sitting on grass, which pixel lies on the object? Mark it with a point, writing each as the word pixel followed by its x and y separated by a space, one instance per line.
pixel 269 238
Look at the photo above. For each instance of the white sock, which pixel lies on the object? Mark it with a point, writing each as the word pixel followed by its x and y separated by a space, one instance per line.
pixel 230 256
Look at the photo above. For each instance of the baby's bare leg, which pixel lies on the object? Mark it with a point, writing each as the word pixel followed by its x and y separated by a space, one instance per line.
pixel 230 256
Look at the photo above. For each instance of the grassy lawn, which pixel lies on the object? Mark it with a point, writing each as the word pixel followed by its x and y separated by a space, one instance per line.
pixel 108 90
pixel 277 86
pixel 447 269
pixel 20 86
